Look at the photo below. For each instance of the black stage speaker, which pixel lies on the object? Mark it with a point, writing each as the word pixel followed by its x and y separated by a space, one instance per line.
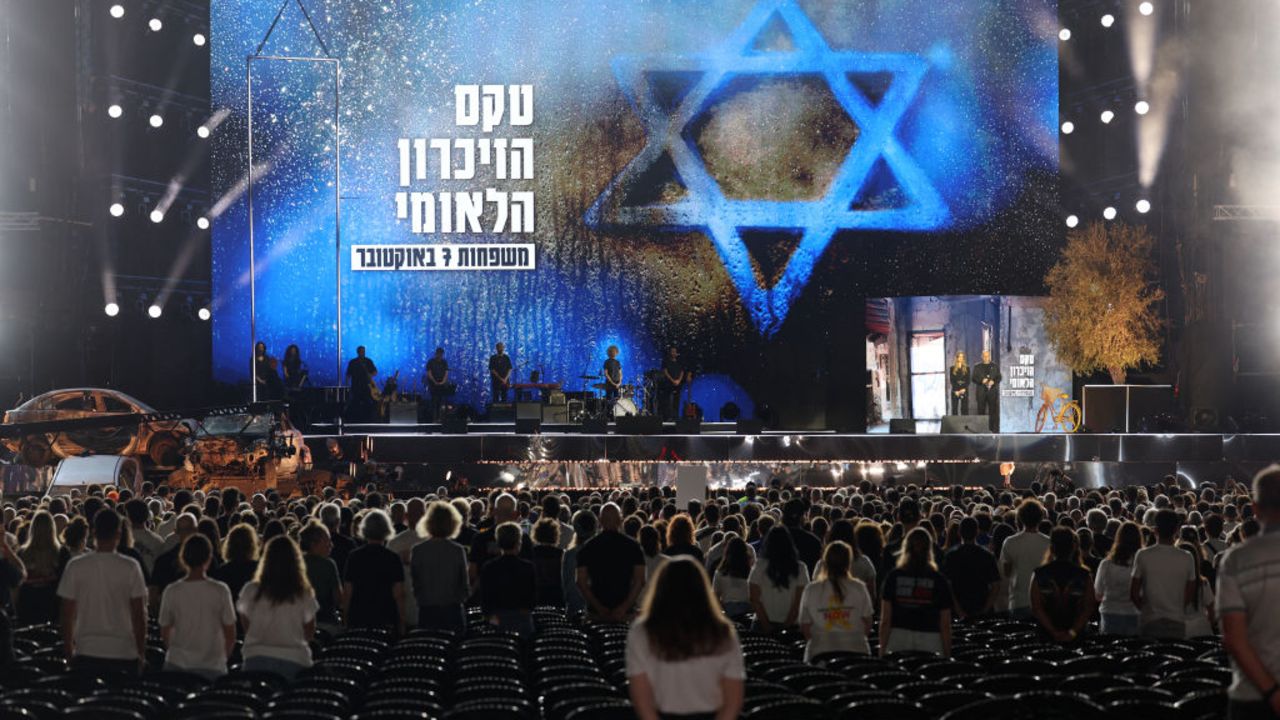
pixel 528 411
pixel 502 412
pixel 595 426
pixel 1125 408
pixel 528 426
pixel 555 414
pixel 688 426
pixel 902 426
pixel 959 424
pixel 639 425
pixel 753 426
pixel 455 425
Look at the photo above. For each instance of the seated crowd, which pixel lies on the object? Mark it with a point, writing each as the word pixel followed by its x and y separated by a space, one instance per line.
pixel 258 584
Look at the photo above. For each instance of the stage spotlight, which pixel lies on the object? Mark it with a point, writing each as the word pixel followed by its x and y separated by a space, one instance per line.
pixel 111 309
pixel 116 209
pixel 1142 107
pixel 1072 221
pixel 114 111
pixel 1109 213
pixel 156 120
pixel 202 132
pixel 1068 127
pixel 204 314
pixel 1143 206
pixel 199 39
pixel 157 216
pixel 202 223
pixel 154 312
pixel 155 24
pixel 1064 34
pixel 117 11
pixel 1108 20
pixel 1146 8
pixel 1107 117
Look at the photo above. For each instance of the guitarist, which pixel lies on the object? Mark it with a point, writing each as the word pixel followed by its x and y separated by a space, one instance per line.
pixel 612 376
pixel 670 385
pixel 360 373
pixel 438 387
pixel 499 373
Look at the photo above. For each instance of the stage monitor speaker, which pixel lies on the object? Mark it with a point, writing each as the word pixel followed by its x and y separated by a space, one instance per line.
pixel 456 425
pixel 902 426
pixel 752 426
pixel 403 413
pixel 528 411
pixel 502 412
pixel 555 414
pixel 639 425
pixel 688 426
pixel 595 426
pixel 528 426
pixel 960 424
pixel 1125 408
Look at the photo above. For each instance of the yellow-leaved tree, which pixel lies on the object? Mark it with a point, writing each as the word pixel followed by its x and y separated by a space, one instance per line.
pixel 1101 313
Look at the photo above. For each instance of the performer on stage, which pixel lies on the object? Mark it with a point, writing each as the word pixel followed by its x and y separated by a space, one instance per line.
pixel 360 374
pixel 295 371
pixel 986 376
pixel 499 373
pixel 672 382
pixel 265 374
pixel 612 375
pixel 437 382
pixel 960 385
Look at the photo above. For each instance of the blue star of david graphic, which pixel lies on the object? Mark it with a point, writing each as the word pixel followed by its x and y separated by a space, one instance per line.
pixel 704 207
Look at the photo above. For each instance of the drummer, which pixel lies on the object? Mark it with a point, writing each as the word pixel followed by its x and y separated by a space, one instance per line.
pixel 612 376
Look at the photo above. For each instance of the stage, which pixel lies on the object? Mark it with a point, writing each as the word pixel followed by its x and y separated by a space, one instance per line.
pixel 425 456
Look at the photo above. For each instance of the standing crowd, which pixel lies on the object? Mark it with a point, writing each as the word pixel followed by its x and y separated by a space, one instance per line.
pixel 866 569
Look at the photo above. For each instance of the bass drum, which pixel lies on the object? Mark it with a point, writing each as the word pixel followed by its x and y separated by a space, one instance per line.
pixel 624 407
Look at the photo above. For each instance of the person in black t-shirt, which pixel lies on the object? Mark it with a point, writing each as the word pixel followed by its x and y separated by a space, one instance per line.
pixel 610 569
pixel 547 559
pixel 360 374
pixel 484 548
pixel 1062 596
pixel 437 382
pixel 374 579
pixel 986 383
pixel 972 572
pixel 612 374
pixel 672 382
pixel 508 585
pixel 499 373
pixel 960 376
pixel 12 573
pixel 915 610
pixel 808 546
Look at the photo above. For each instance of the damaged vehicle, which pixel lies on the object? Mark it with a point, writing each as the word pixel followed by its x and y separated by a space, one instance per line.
pixel 253 451
pixel 161 440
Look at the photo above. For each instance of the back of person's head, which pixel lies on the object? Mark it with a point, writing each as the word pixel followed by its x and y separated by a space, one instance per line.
pixel 842 530
pixel 137 512
pixel 780 552
pixel 376 526
pixel 241 544
pixel 1166 524
pixel 737 558
pixel 76 533
pixel 551 506
pixel 680 615
pixel 1266 494
pixel 610 517
pixel 917 551
pixel 505 507
pixel 196 552
pixel 547 532
pixel 968 529
pixel 1064 546
pixel 837 560
pixel 281 575
pixel 106 527
pixel 680 530
pixel 441 520
pixel 908 511
pixel 1030 514
pixel 585 525
pixel 508 535
pixel 650 541
pixel 314 532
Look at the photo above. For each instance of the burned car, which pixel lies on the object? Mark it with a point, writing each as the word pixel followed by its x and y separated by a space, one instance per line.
pixel 161 440
pixel 255 450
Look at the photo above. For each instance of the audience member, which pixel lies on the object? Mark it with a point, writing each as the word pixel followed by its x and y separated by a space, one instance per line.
pixel 278 612
pixel 915 609
pixel 44 557
pixel 973 574
pixel 731 584
pixel 777 581
pixel 439 569
pixel 1164 582
pixel 1119 616
pixel 323 575
pixel 547 558
pixel 836 609
pixel 1062 599
pixel 104 614
pixel 508 584
pixel 610 569
pixel 1021 554
pixel 239 559
pixel 197 616
pixel 373 583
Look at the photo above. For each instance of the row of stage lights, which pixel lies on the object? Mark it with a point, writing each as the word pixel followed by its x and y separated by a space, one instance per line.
pixel 1110 213
pixel 154 311
pixel 115 111
pixel 155 24
pixel 1146 8
pixel 1142 107
pixel 157 216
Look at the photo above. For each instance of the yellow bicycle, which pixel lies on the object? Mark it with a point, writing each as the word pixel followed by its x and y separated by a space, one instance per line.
pixel 1059 406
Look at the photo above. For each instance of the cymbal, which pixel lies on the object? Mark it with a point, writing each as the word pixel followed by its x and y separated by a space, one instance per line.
pixel 588 377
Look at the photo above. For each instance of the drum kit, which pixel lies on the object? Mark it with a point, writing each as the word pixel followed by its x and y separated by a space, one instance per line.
pixel 634 398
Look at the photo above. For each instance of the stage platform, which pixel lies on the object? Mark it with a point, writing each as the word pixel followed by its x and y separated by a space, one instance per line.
pixel 1094 459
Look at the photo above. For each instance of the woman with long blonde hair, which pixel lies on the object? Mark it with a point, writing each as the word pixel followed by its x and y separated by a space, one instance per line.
pixel 836 609
pixel 278 612
pixel 45 557
pixel 915 611
pixel 960 376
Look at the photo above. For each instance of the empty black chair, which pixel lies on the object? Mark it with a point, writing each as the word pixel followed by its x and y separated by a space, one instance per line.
pixel 1137 709
pixel 1092 684
pixel 945 701
pixel 491 710
pixel 1205 702
pixel 610 710
pixel 882 709
pixel 1005 685
pixel 1134 694
pixel 1056 705
pixel 794 708
pixel 1181 687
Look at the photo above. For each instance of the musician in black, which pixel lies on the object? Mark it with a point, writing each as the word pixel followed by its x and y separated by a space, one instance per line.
pixel 670 385
pixel 438 385
pixel 266 375
pixel 360 374
pixel 612 374
pixel 295 371
pixel 960 378
pixel 499 373
pixel 986 380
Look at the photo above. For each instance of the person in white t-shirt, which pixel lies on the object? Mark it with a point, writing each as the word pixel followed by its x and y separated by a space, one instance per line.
pixel 278 612
pixel 197 620
pixel 1164 582
pixel 683 656
pixel 836 609
pixel 1021 554
pixel 104 613
pixel 1111 584
pixel 731 579
pixel 777 582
